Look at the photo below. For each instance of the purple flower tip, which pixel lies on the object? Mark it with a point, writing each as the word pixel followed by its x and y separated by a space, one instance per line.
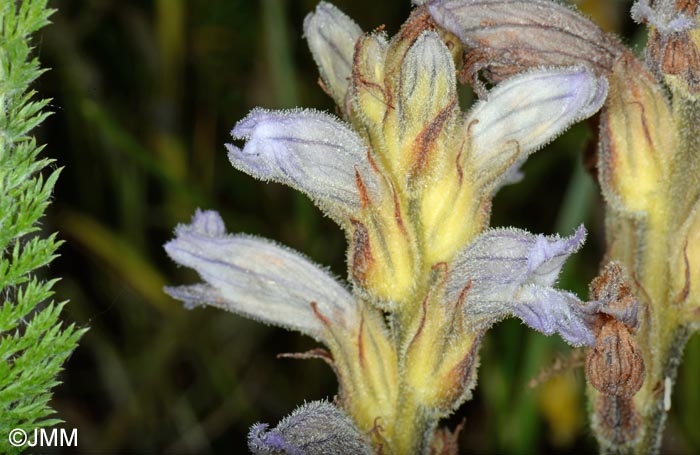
pixel 545 250
pixel 259 439
pixel 245 127
pixel 208 222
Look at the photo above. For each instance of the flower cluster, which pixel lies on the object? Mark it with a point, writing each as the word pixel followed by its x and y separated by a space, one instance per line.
pixel 409 177
pixel 648 165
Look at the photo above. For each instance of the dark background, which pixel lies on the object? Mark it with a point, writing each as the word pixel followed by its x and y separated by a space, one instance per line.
pixel 144 94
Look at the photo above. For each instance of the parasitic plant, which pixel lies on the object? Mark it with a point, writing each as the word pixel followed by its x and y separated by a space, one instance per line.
pixel 409 177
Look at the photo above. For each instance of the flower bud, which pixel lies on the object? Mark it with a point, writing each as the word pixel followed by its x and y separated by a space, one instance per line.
pixel 368 93
pixel 423 112
pixel 315 428
pixel 331 36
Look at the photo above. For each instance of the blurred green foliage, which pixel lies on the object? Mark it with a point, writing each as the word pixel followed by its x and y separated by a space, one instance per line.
pixel 145 92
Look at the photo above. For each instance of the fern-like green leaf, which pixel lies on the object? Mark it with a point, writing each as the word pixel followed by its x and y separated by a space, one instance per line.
pixel 34 342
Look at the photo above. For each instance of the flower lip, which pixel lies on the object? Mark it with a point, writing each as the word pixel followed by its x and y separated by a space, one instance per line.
pixel 318 427
pixel 512 272
pixel 259 279
pixel 523 113
pixel 311 151
pixel 551 255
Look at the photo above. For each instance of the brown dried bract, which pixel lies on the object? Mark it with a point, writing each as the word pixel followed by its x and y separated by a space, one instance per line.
pixel 689 7
pixel 672 50
pixel 612 288
pixel 362 257
pixel 675 54
pixel 618 420
pixel 445 442
pixel 615 365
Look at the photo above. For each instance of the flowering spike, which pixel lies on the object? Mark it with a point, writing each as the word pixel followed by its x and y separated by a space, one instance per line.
pixel 311 151
pixel 258 279
pixel 412 187
pixel 315 428
pixel 648 169
pixel 510 272
pixel 527 111
pixel 332 35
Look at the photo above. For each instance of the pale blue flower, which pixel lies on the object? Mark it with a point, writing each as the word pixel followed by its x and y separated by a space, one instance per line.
pixel 510 272
pixel 258 279
pixel 316 428
pixel 382 173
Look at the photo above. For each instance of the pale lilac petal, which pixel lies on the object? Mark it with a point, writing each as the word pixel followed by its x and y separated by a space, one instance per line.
pixel 517 35
pixel 548 254
pixel 316 428
pixel 258 279
pixel 524 113
pixel 664 16
pixel 263 442
pixel 550 311
pixel 310 151
pixel 510 272
pixel 194 295
pixel 332 35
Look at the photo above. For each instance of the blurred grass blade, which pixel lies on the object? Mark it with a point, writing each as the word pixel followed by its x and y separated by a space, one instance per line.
pixel 578 200
pixel 279 53
pixel 119 256
pixel 97 117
